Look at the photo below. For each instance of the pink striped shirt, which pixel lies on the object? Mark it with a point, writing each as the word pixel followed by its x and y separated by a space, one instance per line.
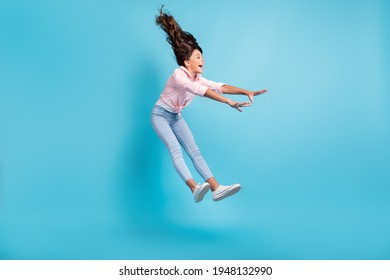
pixel 182 87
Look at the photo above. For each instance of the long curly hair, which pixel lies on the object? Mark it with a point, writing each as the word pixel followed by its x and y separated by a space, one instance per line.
pixel 183 43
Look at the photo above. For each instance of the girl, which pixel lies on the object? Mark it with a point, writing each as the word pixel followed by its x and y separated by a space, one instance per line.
pixel 184 84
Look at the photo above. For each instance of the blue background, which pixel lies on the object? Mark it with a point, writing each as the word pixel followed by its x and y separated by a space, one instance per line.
pixel 83 175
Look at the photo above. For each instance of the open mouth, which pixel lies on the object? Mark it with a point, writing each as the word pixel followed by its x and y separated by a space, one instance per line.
pixel 200 66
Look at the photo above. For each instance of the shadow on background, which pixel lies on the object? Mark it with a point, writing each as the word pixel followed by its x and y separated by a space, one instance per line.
pixel 142 196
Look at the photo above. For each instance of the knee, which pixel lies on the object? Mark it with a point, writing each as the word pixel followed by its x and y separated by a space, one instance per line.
pixel 175 151
pixel 194 152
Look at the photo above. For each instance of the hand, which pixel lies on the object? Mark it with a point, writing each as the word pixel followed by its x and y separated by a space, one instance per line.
pixel 252 94
pixel 237 105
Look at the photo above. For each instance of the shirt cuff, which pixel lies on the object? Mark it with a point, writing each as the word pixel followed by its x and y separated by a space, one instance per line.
pixel 202 90
pixel 219 87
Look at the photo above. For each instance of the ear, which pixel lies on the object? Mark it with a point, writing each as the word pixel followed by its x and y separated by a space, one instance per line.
pixel 186 63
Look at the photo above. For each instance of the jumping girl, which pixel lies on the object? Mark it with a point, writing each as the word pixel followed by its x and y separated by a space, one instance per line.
pixel 184 84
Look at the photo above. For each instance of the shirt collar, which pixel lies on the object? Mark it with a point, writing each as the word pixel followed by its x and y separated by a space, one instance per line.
pixel 189 74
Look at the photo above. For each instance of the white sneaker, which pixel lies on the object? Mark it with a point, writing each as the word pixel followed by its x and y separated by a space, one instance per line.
pixel 200 191
pixel 225 191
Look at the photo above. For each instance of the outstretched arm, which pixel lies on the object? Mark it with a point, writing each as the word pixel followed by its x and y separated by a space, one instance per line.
pixel 217 97
pixel 228 89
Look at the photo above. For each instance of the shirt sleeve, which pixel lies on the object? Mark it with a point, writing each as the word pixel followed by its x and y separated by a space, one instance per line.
pixel 182 82
pixel 216 86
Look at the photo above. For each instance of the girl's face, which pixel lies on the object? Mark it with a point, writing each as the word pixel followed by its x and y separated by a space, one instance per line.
pixel 195 64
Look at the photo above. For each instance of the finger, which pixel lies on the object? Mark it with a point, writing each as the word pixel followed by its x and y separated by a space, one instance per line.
pixel 250 98
pixel 239 109
pixel 261 91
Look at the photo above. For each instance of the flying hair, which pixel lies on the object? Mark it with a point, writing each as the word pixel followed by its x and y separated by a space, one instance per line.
pixel 183 43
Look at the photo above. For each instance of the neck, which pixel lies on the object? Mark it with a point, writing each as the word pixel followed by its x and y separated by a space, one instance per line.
pixel 192 73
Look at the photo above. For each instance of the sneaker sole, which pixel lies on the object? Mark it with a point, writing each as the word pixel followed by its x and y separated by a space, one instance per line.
pixel 228 193
pixel 202 193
